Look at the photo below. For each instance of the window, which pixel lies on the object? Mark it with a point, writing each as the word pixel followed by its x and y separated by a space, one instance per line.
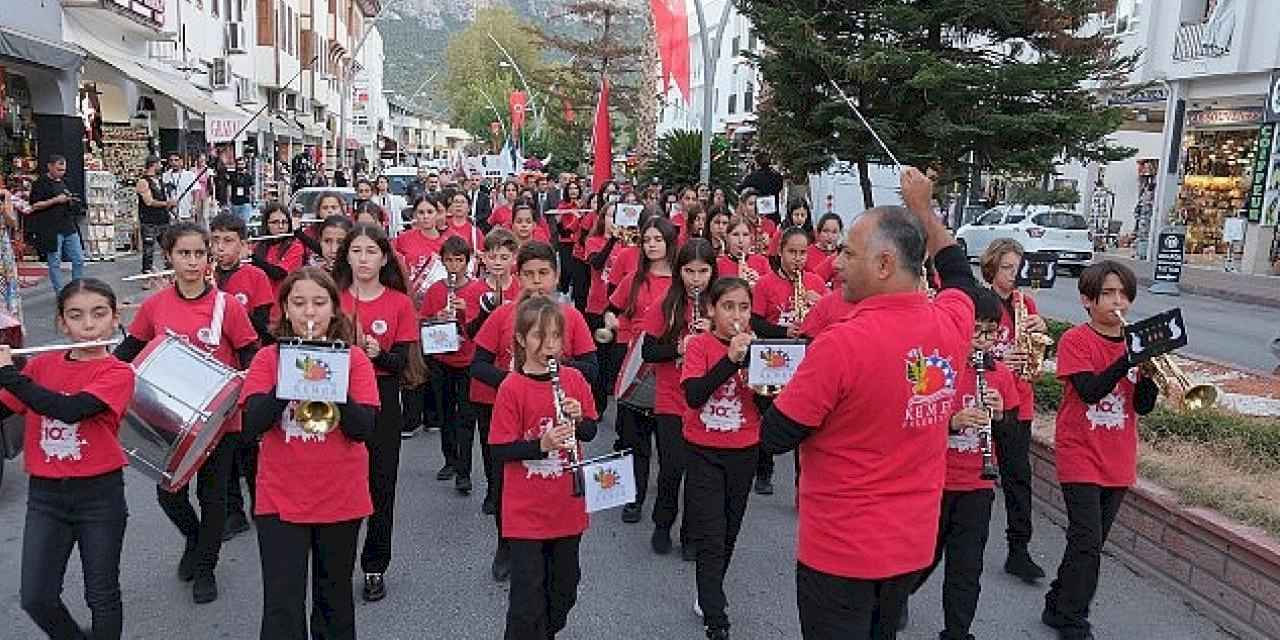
pixel 734 50
pixel 748 100
pixel 360 121
pixel 1061 220
pixel 1015 218
pixel 991 217
pixel 751 42
pixel 213 8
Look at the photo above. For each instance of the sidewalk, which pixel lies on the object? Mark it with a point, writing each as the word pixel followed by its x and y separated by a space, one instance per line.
pixel 1212 282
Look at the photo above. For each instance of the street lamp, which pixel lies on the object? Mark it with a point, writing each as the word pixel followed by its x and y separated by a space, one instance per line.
pixel 511 62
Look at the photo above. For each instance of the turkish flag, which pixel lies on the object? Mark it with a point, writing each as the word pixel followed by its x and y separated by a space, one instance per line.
pixel 671 24
pixel 603 146
pixel 517 103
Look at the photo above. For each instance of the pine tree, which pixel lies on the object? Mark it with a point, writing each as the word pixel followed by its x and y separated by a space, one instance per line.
pixel 1006 83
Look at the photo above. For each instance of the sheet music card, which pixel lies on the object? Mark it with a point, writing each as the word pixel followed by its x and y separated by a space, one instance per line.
pixel 1037 270
pixel 628 215
pixel 774 362
pixel 312 371
pixel 766 205
pixel 1155 336
pixel 439 336
pixel 609 483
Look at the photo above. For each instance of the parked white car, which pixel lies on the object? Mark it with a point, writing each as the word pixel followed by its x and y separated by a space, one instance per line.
pixel 1038 228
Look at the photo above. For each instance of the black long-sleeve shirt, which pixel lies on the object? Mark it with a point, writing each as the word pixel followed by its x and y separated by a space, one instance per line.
pixel 585 430
pixel 1093 387
pixel 263 410
pixel 40 399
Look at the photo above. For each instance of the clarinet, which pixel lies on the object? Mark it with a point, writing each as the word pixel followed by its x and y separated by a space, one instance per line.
pixel 557 399
pixel 989 471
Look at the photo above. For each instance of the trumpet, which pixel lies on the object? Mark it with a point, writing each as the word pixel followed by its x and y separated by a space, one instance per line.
pixel 630 236
pixel 989 470
pixel 312 415
pixel 1174 383
pixel 605 334
pixel 557 399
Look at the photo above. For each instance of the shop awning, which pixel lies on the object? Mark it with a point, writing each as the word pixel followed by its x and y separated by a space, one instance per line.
pixel 283 127
pixel 312 131
pixel 225 120
pixel 38 51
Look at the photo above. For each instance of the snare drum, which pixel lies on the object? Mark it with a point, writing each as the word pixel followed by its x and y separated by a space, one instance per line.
pixel 181 399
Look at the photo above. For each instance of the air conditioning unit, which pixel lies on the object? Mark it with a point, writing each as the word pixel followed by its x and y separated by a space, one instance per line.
pixel 219 74
pixel 237 39
pixel 246 92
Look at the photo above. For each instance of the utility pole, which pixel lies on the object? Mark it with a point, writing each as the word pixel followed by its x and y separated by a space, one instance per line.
pixel 512 61
pixel 710 51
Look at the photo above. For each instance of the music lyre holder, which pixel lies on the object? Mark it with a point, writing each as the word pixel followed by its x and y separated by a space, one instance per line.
pixel 1155 336
pixel 1037 271
pixel 574 466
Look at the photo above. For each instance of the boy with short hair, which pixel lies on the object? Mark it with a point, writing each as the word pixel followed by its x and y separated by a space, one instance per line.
pixel 1095 438
pixel 444 301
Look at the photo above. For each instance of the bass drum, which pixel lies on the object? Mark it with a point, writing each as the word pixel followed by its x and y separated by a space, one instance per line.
pixel 637 382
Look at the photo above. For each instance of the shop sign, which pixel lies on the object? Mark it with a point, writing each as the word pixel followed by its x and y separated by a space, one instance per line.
pixel 1153 95
pixel 1224 117
pixel 222 128
pixel 1258 172
pixel 1169 254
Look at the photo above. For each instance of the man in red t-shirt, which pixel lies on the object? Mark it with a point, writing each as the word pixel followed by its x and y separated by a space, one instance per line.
pixel 868 408
pixel 1000 264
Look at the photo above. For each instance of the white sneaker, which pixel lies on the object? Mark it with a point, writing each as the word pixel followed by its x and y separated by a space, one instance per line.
pixel 697 609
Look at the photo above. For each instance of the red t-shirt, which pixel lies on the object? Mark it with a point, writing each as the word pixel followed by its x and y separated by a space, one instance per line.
pixel 772 297
pixel 727 267
pixel 816 257
pixel 469 234
pixel 964 457
pixel 729 420
pixel 567 222
pixel 585 224
pixel 598 290
pixel 767 235
pixel 288 258
pixel 500 217
pixel 54 449
pixel 650 294
pixel 311 478
pixel 537 495
pixel 668 396
pixel 1004 345
pixel 878 390
pixel 434 302
pixel 829 274
pixel 418 249
pixel 389 318
pixel 832 308
pixel 497 336
pixel 168 311
pixel 250 286
pixel 1096 443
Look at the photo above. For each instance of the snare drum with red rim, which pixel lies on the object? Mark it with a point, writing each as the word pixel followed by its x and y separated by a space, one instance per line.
pixel 180 402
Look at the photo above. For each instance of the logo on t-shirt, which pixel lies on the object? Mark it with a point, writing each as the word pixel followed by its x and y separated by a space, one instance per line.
pixel 378 327
pixel 293 430
pixel 242 299
pixel 933 388
pixel 59 440
pixel 1107 413
pixel 553 465
pixel 723 412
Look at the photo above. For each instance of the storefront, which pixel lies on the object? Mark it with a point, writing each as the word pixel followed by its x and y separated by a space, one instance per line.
pixel 1217 154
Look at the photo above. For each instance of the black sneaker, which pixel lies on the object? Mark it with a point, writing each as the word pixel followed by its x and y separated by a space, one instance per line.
pixel 462 484
pixel 942 635
pixel 764 486
pixel 1051 618
pixel 661 540
pixel 1020 564
pixel 717 633
pixel 445 473
pixel 405 435
pixel 631 513
pixel 375 588
pixel 490 505
pixel 205 589
pixel 501 568
pixel 187 565
pixel 236 525
pixel 688 552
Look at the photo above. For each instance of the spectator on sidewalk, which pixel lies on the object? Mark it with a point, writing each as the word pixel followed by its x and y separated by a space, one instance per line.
pixel 240 186
pixel 178 181
pixel 154 210
pixel 1275 351
pixel 52 220
pixel 10 280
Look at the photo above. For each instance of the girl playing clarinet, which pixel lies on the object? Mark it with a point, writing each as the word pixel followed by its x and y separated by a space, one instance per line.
pixel 542 521
pixel 313 488
pixel 73 402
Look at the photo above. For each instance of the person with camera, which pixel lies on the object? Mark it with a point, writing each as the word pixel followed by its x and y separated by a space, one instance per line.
pixel 53 208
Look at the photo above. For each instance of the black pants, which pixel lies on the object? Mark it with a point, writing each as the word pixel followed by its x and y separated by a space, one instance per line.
pixel 764 466
pixel 636 428
pixel 581 280
pixel 963 526
pixel 458 431
pixel 204 531
pixel 673 456
pixel 91 513
pixel 415 402
pixel 565 253
pixel 838 608
pixel 1091 510
pixel 544 587
pixel 245 465
pixel 717 485
pixel 1013 454
pixel 610 358
pixel 492 476
pixel 286 551
pixel 151 233
pixel 384 468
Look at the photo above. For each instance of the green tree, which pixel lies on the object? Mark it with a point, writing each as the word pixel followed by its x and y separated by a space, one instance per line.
pixel 679 158
pixel 961 86
pixel 476 68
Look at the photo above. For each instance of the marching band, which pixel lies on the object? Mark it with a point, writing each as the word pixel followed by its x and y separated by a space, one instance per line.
pixel 328 330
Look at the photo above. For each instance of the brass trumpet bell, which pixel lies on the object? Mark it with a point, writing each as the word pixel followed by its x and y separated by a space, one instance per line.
pixel 316 417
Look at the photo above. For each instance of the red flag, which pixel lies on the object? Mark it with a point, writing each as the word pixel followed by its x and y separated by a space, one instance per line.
pixel 569 115
pixel 517 102
pixel 671 23
pixel 603 146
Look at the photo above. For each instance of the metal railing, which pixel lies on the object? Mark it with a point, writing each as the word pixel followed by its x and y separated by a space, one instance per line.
pixel 1201 40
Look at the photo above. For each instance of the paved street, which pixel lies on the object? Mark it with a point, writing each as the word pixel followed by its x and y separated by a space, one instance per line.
pixel 440 587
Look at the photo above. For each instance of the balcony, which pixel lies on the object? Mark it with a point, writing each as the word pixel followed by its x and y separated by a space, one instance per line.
pixel 1202 40
pixel 143 18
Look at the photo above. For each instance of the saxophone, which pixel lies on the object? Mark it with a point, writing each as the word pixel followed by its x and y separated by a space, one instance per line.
pixel 799 301
pixel 1032 343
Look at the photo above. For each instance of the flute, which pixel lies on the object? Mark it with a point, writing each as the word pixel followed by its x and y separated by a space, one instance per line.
pixel 164 274
pixel 557 398
pixel 89 344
